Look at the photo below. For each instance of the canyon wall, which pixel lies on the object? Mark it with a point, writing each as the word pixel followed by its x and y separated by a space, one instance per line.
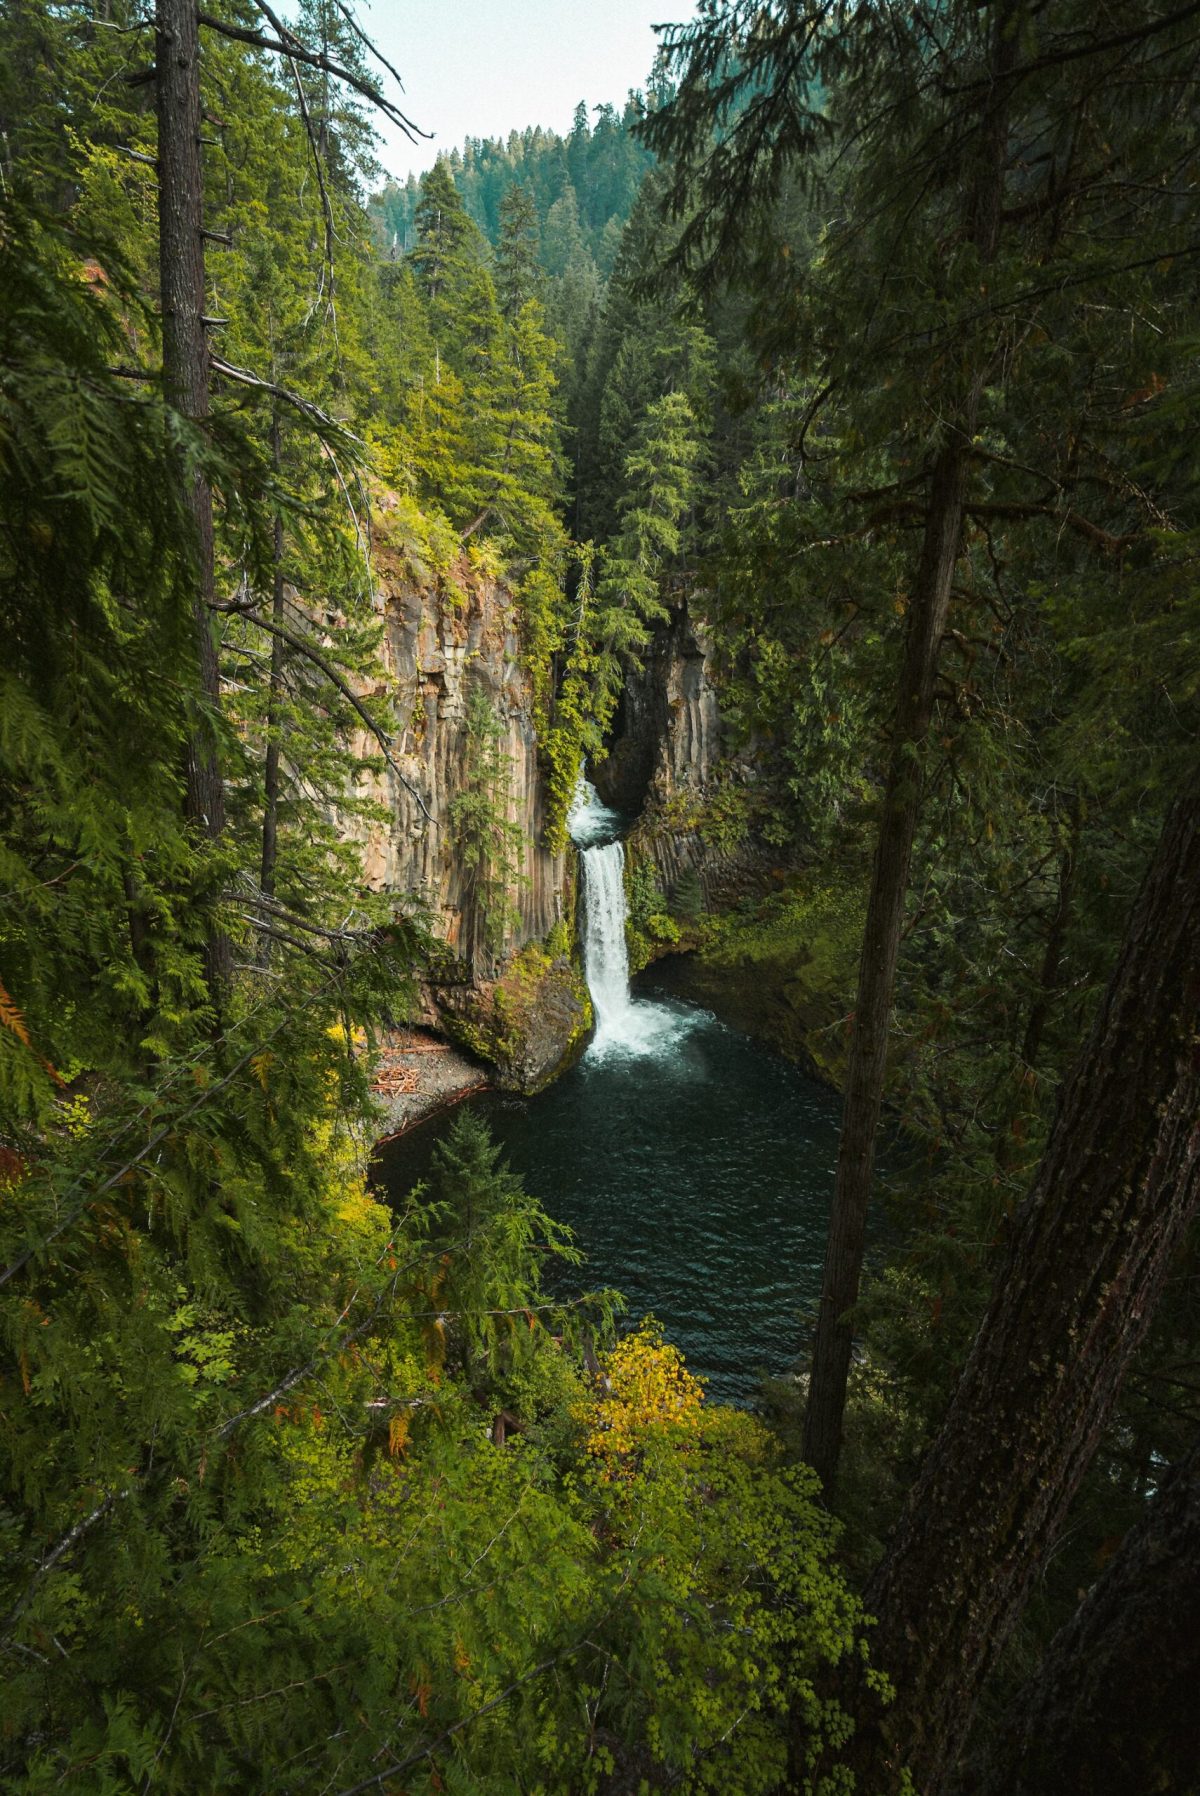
pixel 505 988
pixel 669 767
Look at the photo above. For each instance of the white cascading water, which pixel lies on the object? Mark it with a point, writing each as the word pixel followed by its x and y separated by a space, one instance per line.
pixel 624 1024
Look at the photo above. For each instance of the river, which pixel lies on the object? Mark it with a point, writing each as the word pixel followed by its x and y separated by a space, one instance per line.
pixel 695 1167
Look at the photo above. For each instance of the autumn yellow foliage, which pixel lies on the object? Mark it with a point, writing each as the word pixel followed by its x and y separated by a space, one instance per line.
pixel 644 1392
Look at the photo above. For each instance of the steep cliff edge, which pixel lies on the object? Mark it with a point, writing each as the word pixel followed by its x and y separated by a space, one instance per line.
pixel 769 946
pixel 462 843
pixel 762 945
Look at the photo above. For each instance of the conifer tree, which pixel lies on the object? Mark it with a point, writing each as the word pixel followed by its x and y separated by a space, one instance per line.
pixel 785 89
pixel 516 253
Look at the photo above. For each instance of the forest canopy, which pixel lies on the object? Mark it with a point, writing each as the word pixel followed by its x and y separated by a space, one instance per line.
pixel 860 349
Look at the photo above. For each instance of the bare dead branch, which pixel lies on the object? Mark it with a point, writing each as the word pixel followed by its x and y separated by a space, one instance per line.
pixel 305 406
pixel 287 44
pixel 313 654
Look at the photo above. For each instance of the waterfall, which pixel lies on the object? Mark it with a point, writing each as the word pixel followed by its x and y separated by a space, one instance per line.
pixel 605 961
pixel 624 1024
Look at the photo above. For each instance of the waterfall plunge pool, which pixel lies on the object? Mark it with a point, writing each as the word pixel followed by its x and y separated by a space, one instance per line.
pixel 697 1180
pixel 695 1167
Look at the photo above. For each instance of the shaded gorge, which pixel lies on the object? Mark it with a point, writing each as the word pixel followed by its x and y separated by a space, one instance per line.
pixel 697 1178
pixel 695 1167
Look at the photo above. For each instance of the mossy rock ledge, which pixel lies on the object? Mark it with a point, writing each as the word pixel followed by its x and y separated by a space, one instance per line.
pixel 529 1025
pixel 783 970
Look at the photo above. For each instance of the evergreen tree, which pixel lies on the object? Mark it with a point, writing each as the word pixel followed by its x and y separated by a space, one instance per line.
pixel 1117 1187
pixel 516 253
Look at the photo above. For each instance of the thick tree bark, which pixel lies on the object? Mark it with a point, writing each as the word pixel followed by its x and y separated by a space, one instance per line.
pixel 1118 1183
pixel 929 606
pixel 1112 1707
pixel 186 377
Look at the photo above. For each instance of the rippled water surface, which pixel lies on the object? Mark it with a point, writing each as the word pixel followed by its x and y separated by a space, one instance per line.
pixel 696 1173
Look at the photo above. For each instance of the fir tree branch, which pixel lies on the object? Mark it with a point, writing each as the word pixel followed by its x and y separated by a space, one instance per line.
pixel 1078 52
pixel 155 1140
pixel 261 901
pixel 567 1652
pixel 1014 512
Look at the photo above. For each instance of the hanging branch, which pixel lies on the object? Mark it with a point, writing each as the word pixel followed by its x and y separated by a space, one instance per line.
pixel 326 204
pixel 304 647
pixel 377 53
pixel 287 44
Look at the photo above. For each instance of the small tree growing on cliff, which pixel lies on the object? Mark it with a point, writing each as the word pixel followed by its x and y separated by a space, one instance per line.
pixel 487 841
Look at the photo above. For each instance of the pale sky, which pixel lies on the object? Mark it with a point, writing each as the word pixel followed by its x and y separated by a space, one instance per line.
pixel 483 68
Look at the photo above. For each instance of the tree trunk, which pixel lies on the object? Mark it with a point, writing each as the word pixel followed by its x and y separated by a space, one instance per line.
pixel 929 606
pixel 270 834
pixel 1118 1183
pixel 1112 1707
pixel 863 1102
pixel 185 380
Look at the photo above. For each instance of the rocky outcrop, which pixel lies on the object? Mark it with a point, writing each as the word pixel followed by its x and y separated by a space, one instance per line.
pixel 448 643
pixel 667 766
pixel 529 1025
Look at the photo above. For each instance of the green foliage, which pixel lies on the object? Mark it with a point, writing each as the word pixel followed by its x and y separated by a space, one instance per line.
pixel 649 927
pixel 96 862
pixel 517 278
pixel 724 1548
pixel 298 1492
pixel 488 840
pixel 687 896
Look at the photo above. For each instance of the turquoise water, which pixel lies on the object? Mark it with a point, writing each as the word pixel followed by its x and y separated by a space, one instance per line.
pixel 696 1170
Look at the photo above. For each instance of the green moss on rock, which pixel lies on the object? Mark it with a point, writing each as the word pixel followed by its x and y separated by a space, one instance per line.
pixel 530 1024
pixel 783 968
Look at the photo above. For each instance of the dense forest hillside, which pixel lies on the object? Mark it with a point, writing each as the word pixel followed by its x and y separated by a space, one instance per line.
pixel 807 453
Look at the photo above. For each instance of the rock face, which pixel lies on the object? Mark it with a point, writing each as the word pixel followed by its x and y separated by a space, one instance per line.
pixel 668 732
pixel 448 643
pixel 745 937
pixel 440 643
pixel 667 767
